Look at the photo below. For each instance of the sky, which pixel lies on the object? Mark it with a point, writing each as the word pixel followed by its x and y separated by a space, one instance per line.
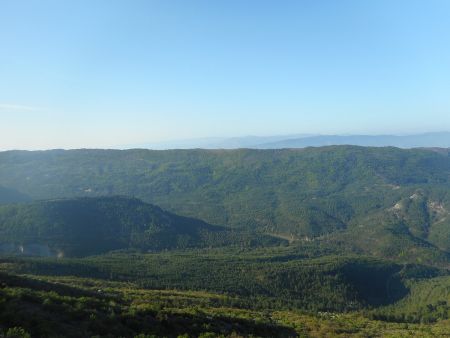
pixel 105 73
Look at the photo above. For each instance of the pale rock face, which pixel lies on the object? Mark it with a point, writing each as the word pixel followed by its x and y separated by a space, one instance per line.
pixel 437 207
pixel 397 206
pixel 414 196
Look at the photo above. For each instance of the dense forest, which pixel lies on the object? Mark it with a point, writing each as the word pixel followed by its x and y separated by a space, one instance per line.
pixel 332 241
pixel 224 293
pixel 388 202
pixel 87 226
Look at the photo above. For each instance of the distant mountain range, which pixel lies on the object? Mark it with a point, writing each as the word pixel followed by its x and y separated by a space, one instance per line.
pixel 426 140
pixel 216 142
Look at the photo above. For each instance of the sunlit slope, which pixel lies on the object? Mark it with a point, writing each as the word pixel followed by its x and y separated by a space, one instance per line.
pixel 73 307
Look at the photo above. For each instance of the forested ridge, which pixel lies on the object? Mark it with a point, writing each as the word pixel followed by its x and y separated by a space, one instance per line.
pixel 384 201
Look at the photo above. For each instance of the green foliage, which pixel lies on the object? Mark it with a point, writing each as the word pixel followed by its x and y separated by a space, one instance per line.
pixel 89 308
pixel 277 279
pixel 232 275
pixel 98 308
pixel 399 196
pixel 17 332
pixel 86 226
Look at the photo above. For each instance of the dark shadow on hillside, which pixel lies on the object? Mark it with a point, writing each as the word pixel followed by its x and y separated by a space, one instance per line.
pixel 376 285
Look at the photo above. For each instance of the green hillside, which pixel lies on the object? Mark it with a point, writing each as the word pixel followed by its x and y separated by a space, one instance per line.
pixel 288 190
pixel 322 242
pixel 88 308
pixel 387 202
pixel 233 293
pixel 86 226
pixel 79 307
pixel 271 277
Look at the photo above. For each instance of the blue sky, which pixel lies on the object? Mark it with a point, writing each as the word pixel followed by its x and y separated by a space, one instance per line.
pixel 101 73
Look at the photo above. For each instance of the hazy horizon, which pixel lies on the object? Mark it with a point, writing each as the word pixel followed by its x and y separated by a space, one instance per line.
pixel 439 139
pixel 105 74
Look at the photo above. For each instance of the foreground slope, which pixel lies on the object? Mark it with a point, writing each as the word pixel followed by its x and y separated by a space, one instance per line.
pixel 63 305
pixel 87 308
pixel 86 226
pixel 271 277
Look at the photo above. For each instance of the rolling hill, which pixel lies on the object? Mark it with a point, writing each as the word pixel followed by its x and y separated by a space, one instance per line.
pixel 87 226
